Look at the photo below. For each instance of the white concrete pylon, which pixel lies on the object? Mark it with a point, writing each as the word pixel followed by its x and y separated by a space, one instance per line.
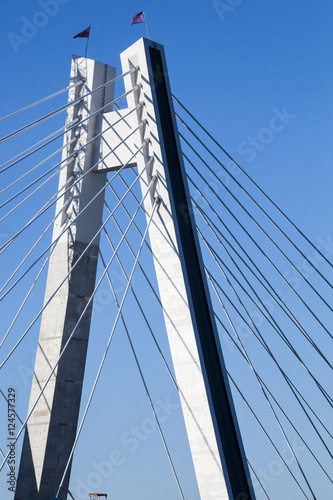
pixel 210 419
pixel 169 269
pixel 51 430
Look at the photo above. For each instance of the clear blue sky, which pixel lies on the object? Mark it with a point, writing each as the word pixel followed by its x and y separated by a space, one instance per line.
pixel 236 64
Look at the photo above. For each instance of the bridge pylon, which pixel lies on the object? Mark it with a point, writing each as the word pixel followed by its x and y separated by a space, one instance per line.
pixel 210 419
pixel 51 429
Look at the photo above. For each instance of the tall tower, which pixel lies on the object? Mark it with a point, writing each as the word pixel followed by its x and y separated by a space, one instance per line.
pixel 210 419
pixel 51 430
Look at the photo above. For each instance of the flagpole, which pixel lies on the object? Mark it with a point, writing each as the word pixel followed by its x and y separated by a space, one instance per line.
pixel 144 15
pixel 85 54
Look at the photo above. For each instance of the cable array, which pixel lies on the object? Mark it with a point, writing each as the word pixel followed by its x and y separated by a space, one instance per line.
pixel 279 369
pixel 246 248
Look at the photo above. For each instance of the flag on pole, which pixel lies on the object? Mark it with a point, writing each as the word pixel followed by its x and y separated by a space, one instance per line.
pixel 138 18
pixel 83 34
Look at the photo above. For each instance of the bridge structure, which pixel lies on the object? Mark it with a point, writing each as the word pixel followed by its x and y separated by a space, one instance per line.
pixel 150 207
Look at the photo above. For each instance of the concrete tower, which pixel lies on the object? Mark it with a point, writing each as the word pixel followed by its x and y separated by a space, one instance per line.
pixel 51 430
pixel 211 424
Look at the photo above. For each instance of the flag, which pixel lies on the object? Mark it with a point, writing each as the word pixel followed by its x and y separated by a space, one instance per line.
pixel 138 18
pixel 83 34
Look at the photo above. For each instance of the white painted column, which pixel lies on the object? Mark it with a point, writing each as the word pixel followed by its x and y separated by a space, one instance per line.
pixel 51 429
pixel 169 270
